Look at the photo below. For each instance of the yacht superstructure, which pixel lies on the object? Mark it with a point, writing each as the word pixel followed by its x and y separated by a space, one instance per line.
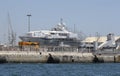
pixel 55 36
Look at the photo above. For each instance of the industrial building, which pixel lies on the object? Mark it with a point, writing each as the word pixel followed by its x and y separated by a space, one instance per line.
pixel 102 42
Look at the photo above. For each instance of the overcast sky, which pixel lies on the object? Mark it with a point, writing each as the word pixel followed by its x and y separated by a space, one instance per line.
pixel 89 16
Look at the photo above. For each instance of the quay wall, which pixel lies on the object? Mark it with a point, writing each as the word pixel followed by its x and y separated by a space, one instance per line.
pixel 44 57
pixel 56 57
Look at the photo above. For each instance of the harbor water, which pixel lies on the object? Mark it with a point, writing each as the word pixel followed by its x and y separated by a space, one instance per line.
pixel 39 69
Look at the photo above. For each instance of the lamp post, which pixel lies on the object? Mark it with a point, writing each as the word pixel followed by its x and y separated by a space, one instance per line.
pixel 29 15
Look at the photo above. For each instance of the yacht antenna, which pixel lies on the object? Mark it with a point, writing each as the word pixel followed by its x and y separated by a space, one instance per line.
pixel 61 21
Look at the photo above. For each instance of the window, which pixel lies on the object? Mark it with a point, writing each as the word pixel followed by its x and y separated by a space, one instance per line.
pixel 52 33
pixel 62 34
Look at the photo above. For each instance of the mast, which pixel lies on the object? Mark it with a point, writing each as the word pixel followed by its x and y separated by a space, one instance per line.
pixel 74 28
pixel 29 15
pixel 61 21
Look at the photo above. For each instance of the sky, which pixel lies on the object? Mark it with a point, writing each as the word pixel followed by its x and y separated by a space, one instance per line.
pixel 88 16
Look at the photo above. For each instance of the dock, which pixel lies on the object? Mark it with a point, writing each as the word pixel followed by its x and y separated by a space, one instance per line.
pixel 59 55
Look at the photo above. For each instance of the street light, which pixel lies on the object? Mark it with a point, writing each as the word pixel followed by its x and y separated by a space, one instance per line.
pixel 29 15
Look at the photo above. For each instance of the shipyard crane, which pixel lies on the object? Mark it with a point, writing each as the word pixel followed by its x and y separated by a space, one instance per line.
pixel 11 33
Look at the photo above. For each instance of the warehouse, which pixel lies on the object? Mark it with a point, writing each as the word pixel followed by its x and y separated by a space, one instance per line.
pixel 108 41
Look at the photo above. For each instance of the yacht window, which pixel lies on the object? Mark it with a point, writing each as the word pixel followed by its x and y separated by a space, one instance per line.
pixel 63 34
pixel 52 33
pixel 36 33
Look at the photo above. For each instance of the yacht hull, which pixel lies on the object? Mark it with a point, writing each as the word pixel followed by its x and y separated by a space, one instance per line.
pixel 52 42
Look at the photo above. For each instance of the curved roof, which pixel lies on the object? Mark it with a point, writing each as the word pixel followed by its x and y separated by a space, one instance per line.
pixel 100 39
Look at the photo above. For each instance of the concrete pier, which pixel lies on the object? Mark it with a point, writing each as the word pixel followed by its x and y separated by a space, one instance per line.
pixel 23 56
pixel 44 57
pixel 72 57
pixel 54 56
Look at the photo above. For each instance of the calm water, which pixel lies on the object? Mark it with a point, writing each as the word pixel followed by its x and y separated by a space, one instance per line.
pixel 85 69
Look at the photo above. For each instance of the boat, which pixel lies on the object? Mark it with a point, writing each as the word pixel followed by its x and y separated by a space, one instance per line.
pixel 54 37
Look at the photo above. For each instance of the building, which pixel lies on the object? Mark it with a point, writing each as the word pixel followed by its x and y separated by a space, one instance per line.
pixel 109 41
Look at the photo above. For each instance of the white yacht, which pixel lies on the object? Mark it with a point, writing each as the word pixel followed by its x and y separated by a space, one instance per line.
pixel 55 36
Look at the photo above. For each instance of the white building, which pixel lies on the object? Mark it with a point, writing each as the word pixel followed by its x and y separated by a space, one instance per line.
pixel 109 41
